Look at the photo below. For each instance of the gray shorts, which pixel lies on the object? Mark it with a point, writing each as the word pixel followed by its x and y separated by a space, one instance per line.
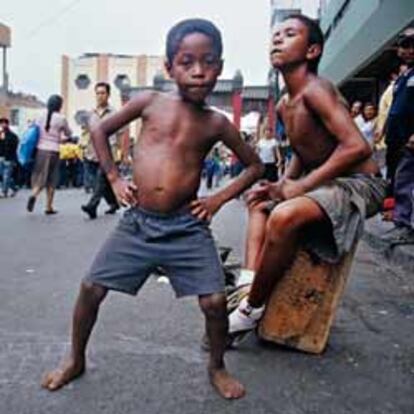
pixel 143 240
pixel 347 202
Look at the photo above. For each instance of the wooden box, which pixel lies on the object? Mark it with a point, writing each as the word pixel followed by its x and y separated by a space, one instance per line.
pixel 302 307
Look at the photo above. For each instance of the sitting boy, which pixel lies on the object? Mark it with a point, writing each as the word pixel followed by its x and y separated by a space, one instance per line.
pixel 330 186
pixel 167 225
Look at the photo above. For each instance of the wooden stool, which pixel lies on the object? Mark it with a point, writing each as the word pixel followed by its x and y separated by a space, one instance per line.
pixel 302 307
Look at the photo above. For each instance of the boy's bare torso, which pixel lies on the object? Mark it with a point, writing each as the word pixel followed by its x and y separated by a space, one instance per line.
pixel 308 136
pixel 169 154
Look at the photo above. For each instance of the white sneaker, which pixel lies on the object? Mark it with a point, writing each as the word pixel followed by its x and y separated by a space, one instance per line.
pixel 244 318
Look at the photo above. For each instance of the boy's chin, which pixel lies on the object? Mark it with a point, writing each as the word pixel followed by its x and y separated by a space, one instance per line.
pixel 195 99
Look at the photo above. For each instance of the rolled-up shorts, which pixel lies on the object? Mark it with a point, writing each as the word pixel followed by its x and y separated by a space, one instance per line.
pixel 346 202
pixel 143 240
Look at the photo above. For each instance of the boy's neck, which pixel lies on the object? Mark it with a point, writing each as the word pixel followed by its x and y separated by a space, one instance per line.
pixel 296 78
pixel 198 105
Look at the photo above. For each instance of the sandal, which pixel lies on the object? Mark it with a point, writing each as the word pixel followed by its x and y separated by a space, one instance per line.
pixel 49 212
pixel 31 203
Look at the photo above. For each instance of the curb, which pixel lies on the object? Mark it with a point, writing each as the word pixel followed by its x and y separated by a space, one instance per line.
pixel 402 255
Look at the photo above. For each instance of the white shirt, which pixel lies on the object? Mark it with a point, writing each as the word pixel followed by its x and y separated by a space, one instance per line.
pixel 266 150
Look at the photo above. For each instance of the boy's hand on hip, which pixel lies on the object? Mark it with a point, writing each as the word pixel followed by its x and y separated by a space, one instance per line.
pixel 126 192
pixel 204 208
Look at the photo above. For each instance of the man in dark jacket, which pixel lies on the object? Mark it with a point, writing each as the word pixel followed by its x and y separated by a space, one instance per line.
pixel 400 145
pixel 8 157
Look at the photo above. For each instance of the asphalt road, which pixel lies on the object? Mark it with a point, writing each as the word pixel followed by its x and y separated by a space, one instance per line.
pixel 144 356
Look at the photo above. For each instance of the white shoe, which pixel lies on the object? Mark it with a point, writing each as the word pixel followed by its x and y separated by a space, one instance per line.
pixel 244 318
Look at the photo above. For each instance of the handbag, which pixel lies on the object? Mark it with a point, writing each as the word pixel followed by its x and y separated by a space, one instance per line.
pixel 27 145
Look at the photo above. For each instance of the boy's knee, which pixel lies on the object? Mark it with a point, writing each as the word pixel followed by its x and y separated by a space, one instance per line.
pixel 281 222
pixel 214 305
pixel 95 293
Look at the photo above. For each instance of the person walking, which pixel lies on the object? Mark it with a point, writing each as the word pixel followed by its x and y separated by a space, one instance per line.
pixel 53 129
pixel 102 188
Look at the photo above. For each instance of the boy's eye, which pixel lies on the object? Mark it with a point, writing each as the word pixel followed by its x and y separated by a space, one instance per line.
pixel 210 60
pixel 186 61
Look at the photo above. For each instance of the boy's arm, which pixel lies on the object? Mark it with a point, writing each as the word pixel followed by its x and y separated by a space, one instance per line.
pixel 110 125
pixel 254 167
pixel 206 208
pixel 351 149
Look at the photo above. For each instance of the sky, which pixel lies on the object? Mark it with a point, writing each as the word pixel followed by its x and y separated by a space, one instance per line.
pixel 44 30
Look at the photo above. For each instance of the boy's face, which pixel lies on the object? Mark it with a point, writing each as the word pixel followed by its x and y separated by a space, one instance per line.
pixel 195 67
pixel 290 45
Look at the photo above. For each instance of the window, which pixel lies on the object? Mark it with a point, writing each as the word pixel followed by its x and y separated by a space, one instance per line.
pixel 82 81
pixel 14 117
pixel 122 81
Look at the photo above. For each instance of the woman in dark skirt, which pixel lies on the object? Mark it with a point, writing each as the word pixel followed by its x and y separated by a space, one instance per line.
pixel 53 130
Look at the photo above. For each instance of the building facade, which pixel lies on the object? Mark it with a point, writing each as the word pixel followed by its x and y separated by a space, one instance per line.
pixel 79 76
pixel 360 43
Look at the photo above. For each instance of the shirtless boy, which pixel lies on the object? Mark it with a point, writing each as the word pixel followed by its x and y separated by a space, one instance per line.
pixel 330 186
pixel 167 225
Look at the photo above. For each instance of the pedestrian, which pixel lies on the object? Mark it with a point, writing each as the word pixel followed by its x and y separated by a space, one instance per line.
pixel 330 186
pixel 356 112
pixel 400 146
pixel 8 157
pixel 90 164
pixel 54 129
pixel 269 152
pixel 367 125
pixel 167 225
pixel 102 188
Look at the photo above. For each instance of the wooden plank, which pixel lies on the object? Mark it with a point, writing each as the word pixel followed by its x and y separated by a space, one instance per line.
pixel 302 306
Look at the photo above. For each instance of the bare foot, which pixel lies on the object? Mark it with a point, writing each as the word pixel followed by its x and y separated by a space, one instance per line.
pixel 227 386
pixel 56 379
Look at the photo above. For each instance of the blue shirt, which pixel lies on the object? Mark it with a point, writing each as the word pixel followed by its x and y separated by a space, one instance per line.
pixel 400 121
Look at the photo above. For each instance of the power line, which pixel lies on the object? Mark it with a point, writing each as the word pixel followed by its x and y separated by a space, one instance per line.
pixel 52 19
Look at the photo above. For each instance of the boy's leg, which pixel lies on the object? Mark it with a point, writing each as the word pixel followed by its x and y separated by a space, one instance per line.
pixel 214 309
pixel 256 230
pixel 84 318
pixel 283 228
pixel 279 249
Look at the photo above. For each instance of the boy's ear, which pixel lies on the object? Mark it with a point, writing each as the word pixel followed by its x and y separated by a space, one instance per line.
pixel 221 63
pixel 167 66
pixel 313 52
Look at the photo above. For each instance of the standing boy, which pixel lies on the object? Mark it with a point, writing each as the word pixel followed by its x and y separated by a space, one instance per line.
pixel 167 225
pixel 330 186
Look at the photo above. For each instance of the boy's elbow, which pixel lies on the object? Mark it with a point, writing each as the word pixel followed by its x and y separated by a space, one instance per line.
pixel 364 151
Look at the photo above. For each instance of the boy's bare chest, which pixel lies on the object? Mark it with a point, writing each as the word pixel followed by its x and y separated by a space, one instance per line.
pixel 176 135
pixel 300 123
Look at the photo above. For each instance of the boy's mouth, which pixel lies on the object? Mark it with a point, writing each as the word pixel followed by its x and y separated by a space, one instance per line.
pixel 275 51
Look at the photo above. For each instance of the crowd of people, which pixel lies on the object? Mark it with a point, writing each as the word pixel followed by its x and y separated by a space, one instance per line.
pixel 389 130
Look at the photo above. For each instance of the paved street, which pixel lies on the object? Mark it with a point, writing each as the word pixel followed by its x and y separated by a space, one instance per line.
pixel 145 355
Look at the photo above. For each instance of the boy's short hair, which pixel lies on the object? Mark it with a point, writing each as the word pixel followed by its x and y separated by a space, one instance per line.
pixel 105 85
pixel 177 33
pixel 315 37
